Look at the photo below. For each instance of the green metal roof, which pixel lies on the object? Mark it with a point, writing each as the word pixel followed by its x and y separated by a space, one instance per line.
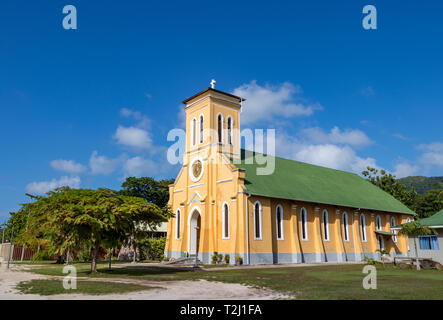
pixel 384 233
pixel 432 221
pixel 306 182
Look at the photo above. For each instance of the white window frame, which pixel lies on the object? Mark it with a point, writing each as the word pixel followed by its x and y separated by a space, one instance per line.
pixel 225 224
pixel 201 137
pixel 393 223
pixel 178 224
pixel 364 236
pixel 326 235
pixel 260 213
pixel 230 131
pixel 222 128
pixel 304 224
pixel 193 132
pixel 279 206
pixel 345 226
pixel 377 219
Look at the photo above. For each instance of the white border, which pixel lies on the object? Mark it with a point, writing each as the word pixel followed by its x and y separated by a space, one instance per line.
pixel 304 225
pixel 223 220
pixel 201 131
pixel 191 174
pixel 345 226
pixel 222 128
pixel 189 225
pixel 260 212
pixel 328 238
pixel 178 224
pixel 363 228
pixel 281 222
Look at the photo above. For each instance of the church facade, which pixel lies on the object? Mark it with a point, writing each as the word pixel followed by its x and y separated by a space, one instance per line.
pixel 299 213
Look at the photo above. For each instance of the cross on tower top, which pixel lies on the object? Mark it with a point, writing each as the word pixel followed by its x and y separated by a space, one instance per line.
pixel 213 83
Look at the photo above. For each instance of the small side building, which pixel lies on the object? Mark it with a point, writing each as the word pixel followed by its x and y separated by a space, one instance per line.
pixel 430 246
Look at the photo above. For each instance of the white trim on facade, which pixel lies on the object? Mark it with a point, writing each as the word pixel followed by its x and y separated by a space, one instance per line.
pixel 364 237
pixel 326 234
pixel 222 128
pixel 260 218
pixel 282 235
pixel 224 223
pixel 345 226
pixel 178 219
pixel 304 224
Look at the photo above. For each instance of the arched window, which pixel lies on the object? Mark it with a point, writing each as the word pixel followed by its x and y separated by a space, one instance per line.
pixel 229 128
pixel 345 227
pixel 325 225
pixel 408 220
pixel 257 221
pixel 177 224
pixel 378 223
pixel 304 224
pixel 201 129
pixel 220 128
pixel 363 227
pixel 225 221
pixel 394 237
pixel 193 131
pixel 279 221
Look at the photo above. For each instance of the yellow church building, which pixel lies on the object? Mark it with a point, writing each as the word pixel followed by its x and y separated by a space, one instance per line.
pixel 299 213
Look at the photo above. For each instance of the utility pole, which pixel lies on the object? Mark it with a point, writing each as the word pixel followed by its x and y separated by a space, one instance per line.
pixel 10 245
pixel 27 223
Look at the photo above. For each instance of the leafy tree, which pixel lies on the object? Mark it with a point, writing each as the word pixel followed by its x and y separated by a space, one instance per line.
pixel 75 218
pixel 156 192
pixel 430 203
pixel 388 183
pixel 415 229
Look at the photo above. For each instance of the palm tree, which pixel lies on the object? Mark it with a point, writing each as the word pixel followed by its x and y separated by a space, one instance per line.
pixel 415 229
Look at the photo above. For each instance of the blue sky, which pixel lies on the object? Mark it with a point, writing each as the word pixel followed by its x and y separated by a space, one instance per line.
pixel 88 107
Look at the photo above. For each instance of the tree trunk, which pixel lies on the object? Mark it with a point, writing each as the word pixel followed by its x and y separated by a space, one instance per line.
pixel 416 254
pixel 110 258
pixel 94 256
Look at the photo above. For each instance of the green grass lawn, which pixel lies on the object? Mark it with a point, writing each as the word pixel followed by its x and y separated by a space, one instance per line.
pixel 51 287
pixel 318 282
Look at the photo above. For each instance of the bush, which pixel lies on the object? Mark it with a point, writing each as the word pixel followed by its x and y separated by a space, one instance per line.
pixel 217 258
pixel 227 258
pixel 152 248
pixel 84 255
pixel 41 256
pixel 238 260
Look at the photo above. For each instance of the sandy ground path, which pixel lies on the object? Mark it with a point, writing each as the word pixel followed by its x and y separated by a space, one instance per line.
pixel 167 290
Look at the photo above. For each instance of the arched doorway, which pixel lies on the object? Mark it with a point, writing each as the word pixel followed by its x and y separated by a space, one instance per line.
pixel 194 232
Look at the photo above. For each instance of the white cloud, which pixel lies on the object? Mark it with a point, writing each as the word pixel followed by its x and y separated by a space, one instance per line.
pixel 333 156
pixel 326 155
pixel 133 137
pixel 352 137
pixel 138 166
pixel 432 155
pixel 103 164
pixel 143 121
pixel 267 102
pixel 404 169
pixel 69 166
pixel 42 187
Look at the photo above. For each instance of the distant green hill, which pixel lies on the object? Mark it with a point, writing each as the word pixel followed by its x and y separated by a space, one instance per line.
pixel 420 184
